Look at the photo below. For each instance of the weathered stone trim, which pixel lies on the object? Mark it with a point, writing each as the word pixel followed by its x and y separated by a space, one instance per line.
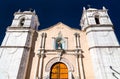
pixel 55 60
pixel 98 25
pixel 23 65
pixel 98 31
pixel 65 54
pixel 18 28
pixel 25 13
pixel 54 50
pixel 104 47
pixel 14 47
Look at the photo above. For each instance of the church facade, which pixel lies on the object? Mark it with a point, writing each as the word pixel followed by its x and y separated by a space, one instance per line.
pixel 60 52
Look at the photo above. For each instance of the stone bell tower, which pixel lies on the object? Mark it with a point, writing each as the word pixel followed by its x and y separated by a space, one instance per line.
pixel 16 46
pixel 103 45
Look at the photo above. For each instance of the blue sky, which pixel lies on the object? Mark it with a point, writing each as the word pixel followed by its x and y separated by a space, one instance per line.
pixel 51 12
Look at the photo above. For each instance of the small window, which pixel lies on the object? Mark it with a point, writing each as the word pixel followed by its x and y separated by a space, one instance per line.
pixel 22 21
pixel 97 20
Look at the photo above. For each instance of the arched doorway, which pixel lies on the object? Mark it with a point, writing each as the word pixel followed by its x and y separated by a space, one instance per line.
pixel 59 71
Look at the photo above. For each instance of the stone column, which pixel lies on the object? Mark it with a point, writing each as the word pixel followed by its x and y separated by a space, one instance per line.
pixel 37 67
pixel 41 65
pixel 81 66
pixel 77 63
pixel 70 75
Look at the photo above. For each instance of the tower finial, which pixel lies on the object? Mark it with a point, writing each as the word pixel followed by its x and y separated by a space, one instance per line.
pixel 104 8
pixel 84 8
pixel 19 10
pixel 34 11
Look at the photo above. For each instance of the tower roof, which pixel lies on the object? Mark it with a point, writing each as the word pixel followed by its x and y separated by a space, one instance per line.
pixel 92 9
pixel 27 12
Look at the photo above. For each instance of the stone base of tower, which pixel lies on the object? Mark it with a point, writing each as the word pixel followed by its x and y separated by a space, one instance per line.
pixel 106 62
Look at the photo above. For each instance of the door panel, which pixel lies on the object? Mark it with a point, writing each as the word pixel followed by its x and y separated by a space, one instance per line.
pixel 59 71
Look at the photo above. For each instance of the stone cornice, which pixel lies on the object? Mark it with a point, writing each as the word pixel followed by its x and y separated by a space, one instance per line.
pixel 104 47
pixel 54 50
pixel 28 13
pixel 100 10
pixel 21 29
pixel 9 28
pixel 98 31
pixel 14 47
pixel 98 25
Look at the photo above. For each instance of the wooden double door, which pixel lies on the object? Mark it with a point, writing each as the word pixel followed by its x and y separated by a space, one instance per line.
pixel 59 71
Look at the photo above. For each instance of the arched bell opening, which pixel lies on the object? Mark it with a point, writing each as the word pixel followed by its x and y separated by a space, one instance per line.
pixel 22 21
pixel 97 19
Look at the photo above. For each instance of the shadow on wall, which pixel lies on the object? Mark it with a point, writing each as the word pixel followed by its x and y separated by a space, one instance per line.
pixel 115 72
pixel 32 54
